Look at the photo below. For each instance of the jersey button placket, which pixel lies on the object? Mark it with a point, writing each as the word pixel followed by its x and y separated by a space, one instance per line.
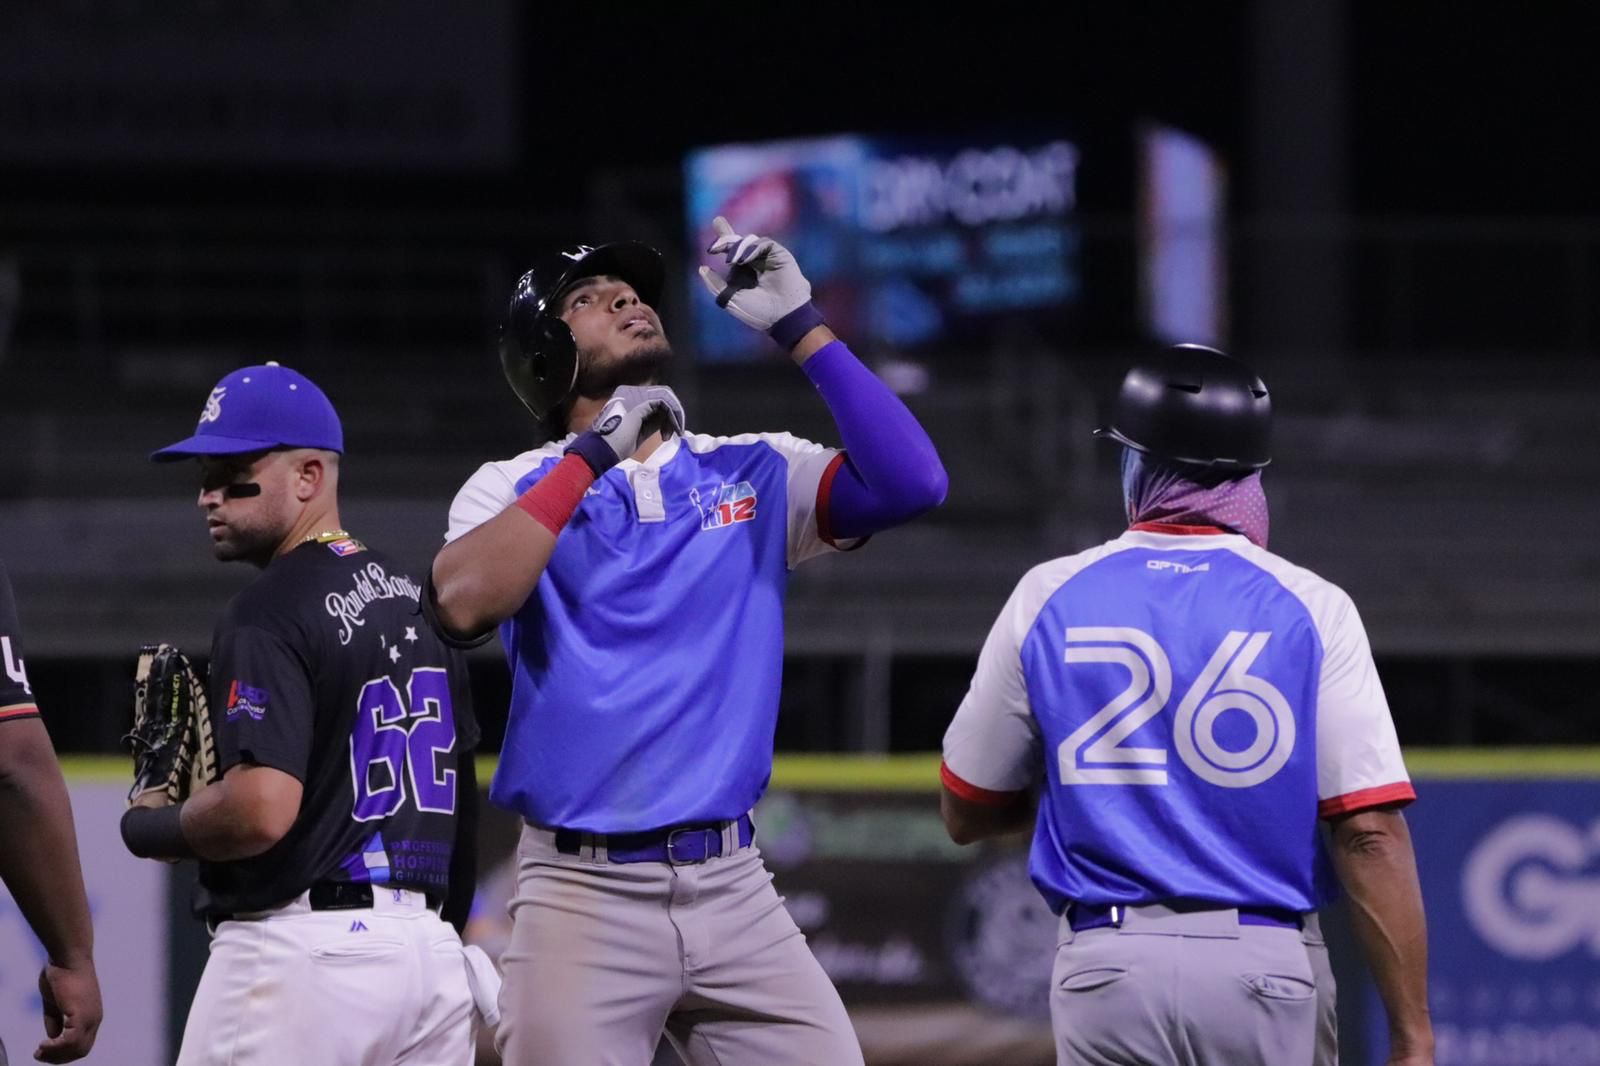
pixel 647 495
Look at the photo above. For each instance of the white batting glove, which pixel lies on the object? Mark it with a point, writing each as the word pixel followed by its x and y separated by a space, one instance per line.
pixel 633 413
pixel 764 288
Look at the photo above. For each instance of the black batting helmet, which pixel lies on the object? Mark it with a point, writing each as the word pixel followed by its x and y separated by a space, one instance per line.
pixel 1193 404
pixel 537 350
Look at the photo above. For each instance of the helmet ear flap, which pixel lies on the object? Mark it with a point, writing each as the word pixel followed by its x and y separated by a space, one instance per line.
pixel 540 361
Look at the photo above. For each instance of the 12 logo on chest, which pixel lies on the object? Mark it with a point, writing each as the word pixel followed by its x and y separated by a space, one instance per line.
pixel 725 504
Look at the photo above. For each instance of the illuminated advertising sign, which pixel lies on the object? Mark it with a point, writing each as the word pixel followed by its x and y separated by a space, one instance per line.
pixel 904 242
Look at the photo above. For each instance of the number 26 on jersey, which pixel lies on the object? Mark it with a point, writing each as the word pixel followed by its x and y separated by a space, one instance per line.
pixel 1095 752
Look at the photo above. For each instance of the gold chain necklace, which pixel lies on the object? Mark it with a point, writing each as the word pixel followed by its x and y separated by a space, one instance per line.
pixel 325 536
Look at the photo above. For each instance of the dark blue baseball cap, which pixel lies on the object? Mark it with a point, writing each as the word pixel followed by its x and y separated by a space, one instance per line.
pixel 259 408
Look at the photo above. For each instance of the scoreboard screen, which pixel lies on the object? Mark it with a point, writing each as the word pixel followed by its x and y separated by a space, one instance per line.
pixel 905 242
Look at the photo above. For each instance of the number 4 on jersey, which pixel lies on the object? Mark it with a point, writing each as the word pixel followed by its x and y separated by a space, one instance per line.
pixel 399 738
pixel 1094 754
pixel 14 668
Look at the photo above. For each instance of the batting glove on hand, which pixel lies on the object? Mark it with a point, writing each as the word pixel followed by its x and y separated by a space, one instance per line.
pixel 633 413
pixel 764 288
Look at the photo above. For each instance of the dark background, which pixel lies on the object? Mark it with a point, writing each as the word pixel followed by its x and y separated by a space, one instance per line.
pixel 1412 239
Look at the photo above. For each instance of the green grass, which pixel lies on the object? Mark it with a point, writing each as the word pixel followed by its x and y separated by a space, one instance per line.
pixel 920 773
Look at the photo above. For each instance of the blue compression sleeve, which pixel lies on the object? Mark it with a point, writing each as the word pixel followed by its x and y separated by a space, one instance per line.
pixel 892 472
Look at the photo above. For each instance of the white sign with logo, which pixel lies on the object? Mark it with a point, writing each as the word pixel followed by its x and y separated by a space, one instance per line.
pixel 1526 891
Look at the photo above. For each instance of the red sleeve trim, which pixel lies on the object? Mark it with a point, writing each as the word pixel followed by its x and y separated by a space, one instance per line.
pixel 824 503
pixel 18 710
pixel 1399 792
pixel 987 797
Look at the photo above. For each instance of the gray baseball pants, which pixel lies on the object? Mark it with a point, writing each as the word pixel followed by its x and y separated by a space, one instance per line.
pixel 1183 989
pixel 604 957
pixel 1327 993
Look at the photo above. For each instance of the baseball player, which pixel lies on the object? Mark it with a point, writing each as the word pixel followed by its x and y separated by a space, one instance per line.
pixel 636 572
pixel 340 826
pixel 1186 706
pixel 39 856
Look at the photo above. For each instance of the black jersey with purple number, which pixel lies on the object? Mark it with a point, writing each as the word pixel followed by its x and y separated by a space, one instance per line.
pixel 324 669
pixel 16 697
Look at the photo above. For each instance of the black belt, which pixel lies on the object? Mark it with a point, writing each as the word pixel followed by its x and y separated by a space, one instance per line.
pixel 678 845
pixel 338 896
pixel 354 895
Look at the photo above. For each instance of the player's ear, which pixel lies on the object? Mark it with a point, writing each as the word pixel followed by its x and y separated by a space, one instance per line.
pixel 315 472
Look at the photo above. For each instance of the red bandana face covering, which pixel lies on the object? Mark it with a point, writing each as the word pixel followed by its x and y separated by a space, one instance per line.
pixel 1183 495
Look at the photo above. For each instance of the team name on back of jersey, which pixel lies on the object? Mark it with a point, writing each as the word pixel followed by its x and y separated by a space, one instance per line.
pixel 372 582
pixel 725 504
pixel 1175 568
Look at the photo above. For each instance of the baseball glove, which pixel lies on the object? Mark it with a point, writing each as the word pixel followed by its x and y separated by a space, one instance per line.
pixel 173 747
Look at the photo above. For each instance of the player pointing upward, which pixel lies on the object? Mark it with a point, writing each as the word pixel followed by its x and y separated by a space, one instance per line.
pixel 1189 705
pixel 637 574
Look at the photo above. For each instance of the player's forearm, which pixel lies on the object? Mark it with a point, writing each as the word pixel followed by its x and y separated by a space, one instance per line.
pixel 968 823
pixel 893 473
pixel 39 847
pixel 1373 855
pixel 241 816
pixel 485 576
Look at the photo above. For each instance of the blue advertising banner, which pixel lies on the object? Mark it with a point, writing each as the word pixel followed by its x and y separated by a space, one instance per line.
pixel 904 241
pixel 1511 879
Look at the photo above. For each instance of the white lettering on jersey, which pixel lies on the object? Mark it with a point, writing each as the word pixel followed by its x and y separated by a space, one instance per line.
pixel 14 666
pixel 1176 568
pixel 371 583
pixel 1526 890
pixel 1223 685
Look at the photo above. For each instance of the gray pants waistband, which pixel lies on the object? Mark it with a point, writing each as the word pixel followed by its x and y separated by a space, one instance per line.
pixel 1156 919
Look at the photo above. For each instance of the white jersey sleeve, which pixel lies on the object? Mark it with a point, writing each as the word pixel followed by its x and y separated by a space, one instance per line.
pixel 490 490
pixel 1359 763
pixel 991 749
pixel 811 470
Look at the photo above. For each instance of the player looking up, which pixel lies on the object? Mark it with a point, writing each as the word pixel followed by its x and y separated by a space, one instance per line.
pixel 636 572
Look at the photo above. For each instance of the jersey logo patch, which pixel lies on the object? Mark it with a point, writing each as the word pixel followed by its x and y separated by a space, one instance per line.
pixel 347 546
pixel 246 699
pixel 725 505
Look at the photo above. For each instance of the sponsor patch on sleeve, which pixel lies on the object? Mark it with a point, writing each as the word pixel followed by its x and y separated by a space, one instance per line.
pixel 246 699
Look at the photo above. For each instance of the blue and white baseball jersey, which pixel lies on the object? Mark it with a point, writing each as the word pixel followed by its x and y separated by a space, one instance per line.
pixel 645 667
pixel 1192 704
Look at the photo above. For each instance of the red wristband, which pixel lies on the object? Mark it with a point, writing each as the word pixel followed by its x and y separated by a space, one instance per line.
pixel 553 500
